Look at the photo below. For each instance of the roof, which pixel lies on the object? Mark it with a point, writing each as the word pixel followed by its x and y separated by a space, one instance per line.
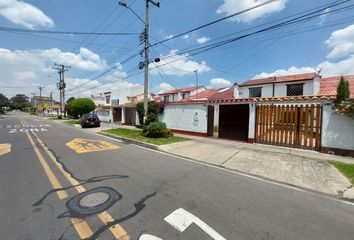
pixel 328 86
pixel 225 93
pixel 280 79
pixel 141 94
pixel 43 98
pixel 258 100
pixel 205 95
pixel 173 91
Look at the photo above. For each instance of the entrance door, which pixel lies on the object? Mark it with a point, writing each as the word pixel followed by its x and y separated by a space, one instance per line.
pixel 210 120
pixel 117 115
pixel 233 122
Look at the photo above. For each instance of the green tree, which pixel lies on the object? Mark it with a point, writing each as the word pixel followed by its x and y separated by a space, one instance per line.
pixel 343 91
pixel 153 111
pixel 80 106
pixel 20 101
pixel 4 101
pixel 67 106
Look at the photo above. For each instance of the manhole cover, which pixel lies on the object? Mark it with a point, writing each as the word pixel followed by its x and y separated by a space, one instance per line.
pixel 92 201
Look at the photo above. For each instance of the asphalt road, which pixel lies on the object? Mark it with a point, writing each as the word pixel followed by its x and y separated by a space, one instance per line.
pixel 42 173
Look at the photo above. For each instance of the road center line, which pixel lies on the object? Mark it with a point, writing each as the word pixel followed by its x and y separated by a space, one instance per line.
pixel 117 230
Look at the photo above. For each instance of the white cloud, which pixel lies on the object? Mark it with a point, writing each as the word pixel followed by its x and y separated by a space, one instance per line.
pixel 25 75
pixel 323 17
pixel 163 87
pixel 283 72
pixel 24 14
pixel 232 6
pixel 186 36
pixel 219 83
pixel 178 64
pixel 343 67
pixel 203 40
pixel 341 42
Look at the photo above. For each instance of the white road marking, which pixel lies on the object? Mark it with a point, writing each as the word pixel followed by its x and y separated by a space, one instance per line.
pixel 13 131
pixel 148 237
pixel 180 219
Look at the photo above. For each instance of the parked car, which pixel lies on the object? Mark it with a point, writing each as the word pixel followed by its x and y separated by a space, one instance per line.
pixel 89 120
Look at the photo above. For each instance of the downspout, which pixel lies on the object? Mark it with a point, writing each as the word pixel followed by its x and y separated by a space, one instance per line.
pixel 273 84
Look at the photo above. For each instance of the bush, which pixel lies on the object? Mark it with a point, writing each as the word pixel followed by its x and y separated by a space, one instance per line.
pixel 156 130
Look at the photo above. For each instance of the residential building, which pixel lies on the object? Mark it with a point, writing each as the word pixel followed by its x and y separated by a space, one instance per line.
pixel 180 93
pixel 292 111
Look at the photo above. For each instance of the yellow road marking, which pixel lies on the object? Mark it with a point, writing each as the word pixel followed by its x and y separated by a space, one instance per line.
pixel 52 178
pixel 82 228
pixel 5 148
pixel 81 145
pixel 117 230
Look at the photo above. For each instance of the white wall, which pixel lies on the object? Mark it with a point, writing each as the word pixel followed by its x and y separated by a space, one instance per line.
pixel 337 129
pixel 122 93
pixel 216 115
pixel 280 89
pixel 251 120
pixel 186 117
pixel 267 90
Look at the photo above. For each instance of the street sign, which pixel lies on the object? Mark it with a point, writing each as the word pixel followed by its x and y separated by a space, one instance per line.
pixel 81 145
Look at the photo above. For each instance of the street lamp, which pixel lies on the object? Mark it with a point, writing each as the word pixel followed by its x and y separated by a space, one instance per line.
pixel 146 49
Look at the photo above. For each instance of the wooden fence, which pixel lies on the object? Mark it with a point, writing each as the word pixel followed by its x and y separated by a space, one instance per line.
pixel 289 125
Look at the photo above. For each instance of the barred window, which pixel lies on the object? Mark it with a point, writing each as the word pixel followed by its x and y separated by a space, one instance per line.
pixel 295 90
pixel 108 99
pixel 255 92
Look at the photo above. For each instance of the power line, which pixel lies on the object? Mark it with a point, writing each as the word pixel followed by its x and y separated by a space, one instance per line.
pixel 65 32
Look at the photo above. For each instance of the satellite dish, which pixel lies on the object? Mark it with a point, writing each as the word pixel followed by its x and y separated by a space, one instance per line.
pixel 141 65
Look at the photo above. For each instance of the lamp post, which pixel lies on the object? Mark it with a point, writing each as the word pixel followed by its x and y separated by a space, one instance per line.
pixel 146 49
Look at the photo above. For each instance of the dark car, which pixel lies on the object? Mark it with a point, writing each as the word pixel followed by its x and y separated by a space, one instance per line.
pixel 89 120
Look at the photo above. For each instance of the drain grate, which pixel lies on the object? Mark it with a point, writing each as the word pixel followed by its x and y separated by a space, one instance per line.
pixel 92 201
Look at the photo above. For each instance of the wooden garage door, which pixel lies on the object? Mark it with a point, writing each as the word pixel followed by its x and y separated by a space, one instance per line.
pixel 291 125
pixel 117 114
pixel 233 122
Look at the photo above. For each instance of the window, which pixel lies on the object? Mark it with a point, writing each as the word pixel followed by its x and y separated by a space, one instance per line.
pixel 255 92
pixel 108 99
pixel 295 90
pixel 183 96
pixel 165 98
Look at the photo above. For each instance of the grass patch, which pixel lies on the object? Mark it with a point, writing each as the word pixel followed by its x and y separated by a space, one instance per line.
pixel 53 118
pixel 71 122
pixel 345 168
pixel 134 134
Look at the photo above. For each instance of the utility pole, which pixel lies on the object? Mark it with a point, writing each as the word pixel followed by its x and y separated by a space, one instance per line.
pixel 196 79
pixel 146 50
pixel 32 101
pixel 40 99
pixel 61 85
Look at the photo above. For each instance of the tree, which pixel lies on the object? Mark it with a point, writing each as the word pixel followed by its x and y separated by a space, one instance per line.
pixel 343 91
pixel 153 111
pixel 343 104
pixel 20 101
pixel 67 108
pixel 4 101
pixel 80 106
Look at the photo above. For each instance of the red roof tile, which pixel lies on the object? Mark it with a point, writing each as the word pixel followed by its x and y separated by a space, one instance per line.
pixel 328 86
pixel 226 93
pixel 202 95
pixel 279 79
pixel 173 91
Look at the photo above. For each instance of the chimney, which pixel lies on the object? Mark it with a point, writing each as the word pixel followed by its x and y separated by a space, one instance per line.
pixel 236 91
pixel 316 84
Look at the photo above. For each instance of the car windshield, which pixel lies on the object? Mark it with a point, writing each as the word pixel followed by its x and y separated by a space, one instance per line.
pixel 89 115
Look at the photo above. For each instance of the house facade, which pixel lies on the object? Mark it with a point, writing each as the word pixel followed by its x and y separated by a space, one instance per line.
pixel 178 94
pixel 292 111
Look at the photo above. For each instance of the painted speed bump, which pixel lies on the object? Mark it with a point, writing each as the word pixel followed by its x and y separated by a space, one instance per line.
pixel 5 148
pixel 81 145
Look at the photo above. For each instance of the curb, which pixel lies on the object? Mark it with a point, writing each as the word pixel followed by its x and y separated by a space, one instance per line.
pixel 128 140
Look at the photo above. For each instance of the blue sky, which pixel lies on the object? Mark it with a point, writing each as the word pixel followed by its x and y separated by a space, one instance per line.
pixel 26 58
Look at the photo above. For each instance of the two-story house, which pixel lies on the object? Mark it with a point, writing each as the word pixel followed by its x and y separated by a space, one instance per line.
pixel 178 94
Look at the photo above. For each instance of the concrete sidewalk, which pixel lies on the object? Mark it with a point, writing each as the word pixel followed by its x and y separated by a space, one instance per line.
pixel 303 168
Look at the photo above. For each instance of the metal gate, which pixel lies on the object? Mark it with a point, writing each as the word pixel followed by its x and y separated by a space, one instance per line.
pixel 291 125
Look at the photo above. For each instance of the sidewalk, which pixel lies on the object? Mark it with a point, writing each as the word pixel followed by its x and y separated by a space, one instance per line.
pixel 303 168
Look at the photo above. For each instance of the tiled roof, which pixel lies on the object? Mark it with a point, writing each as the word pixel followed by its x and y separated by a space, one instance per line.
pixel 205 95
pixel 279 79
pixel 226 93
pixel 329 85
pixel 258 100
pixel 173 91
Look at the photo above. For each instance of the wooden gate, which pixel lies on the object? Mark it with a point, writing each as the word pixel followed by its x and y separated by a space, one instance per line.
pixel 291 125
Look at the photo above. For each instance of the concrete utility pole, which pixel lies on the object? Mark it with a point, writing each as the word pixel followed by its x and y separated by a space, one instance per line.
pixel 196 79
pixel 146 50
pixel 40 96
pixel 32 101
pixel 61 85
